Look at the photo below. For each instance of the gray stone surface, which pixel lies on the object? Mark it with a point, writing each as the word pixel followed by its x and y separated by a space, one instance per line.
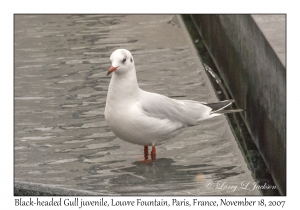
pixel 274 29
pixel 62 143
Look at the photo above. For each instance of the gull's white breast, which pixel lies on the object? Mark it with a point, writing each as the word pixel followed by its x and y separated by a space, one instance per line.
pixel 130 123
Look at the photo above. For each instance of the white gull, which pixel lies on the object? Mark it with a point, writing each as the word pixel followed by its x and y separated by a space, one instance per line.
pixel 146 118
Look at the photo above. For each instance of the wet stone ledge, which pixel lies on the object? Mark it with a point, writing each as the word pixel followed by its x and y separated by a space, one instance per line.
pixel 62 143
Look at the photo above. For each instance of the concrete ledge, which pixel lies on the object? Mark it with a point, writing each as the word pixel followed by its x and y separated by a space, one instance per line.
pixel 273 28
pixel 253 71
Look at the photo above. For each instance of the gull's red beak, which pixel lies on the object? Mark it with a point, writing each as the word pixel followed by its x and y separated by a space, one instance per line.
pixel 111 70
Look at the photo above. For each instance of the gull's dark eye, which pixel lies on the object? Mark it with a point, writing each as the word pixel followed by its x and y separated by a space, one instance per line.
pixel 124 60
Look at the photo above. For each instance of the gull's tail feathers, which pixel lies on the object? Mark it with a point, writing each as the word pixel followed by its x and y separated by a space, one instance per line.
pixel 218 107
pixel 229 111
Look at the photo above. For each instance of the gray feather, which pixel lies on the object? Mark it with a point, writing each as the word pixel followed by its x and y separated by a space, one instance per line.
pixel 183 111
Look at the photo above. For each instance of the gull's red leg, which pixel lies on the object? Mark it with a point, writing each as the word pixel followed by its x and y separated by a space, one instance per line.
pixel 153 153
pixel 146 152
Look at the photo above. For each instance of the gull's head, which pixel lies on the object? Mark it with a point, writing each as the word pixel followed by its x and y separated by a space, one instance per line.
pixel 121 62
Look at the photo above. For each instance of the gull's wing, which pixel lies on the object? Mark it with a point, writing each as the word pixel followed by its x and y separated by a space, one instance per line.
pixel 183 111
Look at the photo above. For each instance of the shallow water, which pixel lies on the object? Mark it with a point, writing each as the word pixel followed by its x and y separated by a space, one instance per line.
pixel 61 137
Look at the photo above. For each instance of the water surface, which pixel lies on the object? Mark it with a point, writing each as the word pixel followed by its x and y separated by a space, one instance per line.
pixel 60 87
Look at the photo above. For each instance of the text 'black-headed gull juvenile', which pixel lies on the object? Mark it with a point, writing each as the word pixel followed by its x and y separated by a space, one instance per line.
pixel 146 118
